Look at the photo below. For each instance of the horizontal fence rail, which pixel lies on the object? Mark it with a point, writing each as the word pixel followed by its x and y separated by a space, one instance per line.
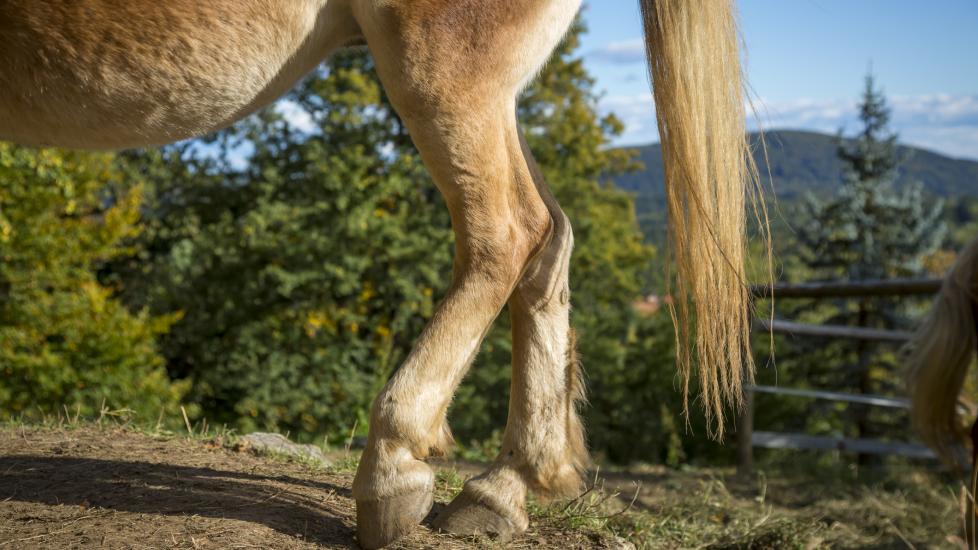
pixel 747 438
pixel 830 331
pixel 875 400
pixel 773 440
pixel 864 399
pixel 888 287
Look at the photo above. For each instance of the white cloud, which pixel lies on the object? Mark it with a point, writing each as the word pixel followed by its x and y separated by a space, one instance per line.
pixel 637 112
pixel 808 114
pixel 296 116
pixel 622 52
pixel 944 123
pixel 955 141
pixel 937 109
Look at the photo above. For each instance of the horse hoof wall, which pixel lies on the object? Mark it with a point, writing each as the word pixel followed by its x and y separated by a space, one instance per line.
pixel 467 516
pixel 381 522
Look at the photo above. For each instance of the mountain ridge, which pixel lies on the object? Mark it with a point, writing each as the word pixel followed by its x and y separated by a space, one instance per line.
pixel 801 161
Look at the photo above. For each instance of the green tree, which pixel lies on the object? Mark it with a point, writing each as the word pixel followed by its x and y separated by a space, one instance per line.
pixel 962 215
pixel 65 341
pixel 868 230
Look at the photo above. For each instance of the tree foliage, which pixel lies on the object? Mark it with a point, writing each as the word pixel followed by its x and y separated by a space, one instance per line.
pixel 64 340
pixel 869 230
pixel 303 277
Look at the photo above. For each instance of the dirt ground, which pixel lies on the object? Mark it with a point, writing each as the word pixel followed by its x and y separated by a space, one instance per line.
pixel 114 488
pixel 84 486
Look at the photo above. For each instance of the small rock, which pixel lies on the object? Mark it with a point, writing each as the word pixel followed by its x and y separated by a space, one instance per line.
pixel 260 442
pixel 619 543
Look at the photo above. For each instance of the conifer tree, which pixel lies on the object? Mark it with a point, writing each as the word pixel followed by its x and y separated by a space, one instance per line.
pixel 869 230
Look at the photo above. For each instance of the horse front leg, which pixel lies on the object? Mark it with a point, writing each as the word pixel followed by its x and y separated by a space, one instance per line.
pixel 543 446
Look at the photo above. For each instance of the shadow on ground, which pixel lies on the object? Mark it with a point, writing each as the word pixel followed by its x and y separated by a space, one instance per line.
pixel 292 506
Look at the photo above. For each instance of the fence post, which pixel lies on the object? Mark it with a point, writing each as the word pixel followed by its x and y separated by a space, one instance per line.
pixel 745 432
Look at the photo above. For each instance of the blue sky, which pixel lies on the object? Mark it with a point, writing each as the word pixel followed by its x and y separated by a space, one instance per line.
pixel 806 60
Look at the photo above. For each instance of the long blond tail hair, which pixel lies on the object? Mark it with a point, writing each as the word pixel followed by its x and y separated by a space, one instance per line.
pixel 694 63
pixel 940 352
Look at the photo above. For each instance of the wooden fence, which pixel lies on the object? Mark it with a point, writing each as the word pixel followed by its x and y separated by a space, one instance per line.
pixel 747 438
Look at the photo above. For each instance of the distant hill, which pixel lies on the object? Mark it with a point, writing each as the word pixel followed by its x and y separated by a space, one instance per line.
pixel 804 162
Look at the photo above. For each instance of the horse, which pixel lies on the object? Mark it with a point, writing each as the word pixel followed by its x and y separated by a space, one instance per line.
pixel 940 352
pixel 111 74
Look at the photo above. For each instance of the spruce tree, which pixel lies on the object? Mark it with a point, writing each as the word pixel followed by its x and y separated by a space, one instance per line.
pixel 869 230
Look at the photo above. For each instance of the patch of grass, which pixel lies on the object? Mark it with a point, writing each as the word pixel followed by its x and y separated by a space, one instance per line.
pixel 162 427
pixel 448 483
pixel 711 509
pixel 715 519
pixel 345 464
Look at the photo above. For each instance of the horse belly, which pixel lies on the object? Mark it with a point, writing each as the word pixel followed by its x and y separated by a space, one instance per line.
pixel 102 74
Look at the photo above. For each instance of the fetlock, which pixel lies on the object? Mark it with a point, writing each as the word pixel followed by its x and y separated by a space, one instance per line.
pixel 387 471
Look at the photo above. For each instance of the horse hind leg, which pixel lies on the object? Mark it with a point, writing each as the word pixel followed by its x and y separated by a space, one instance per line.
pixel 498 230
pixel 543 446
pixel 458 102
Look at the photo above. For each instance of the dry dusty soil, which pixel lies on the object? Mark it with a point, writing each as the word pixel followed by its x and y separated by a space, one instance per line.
pixel 115 488
pixel 84 486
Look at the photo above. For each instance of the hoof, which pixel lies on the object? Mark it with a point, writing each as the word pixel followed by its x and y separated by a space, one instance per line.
pixel 381 522
pixel 467 516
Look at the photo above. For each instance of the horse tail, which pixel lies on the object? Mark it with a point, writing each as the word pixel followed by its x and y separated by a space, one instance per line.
pixel 699 96
pixel 941 350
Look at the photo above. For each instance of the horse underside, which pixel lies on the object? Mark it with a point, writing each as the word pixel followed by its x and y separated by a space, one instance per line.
pixel 108 74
